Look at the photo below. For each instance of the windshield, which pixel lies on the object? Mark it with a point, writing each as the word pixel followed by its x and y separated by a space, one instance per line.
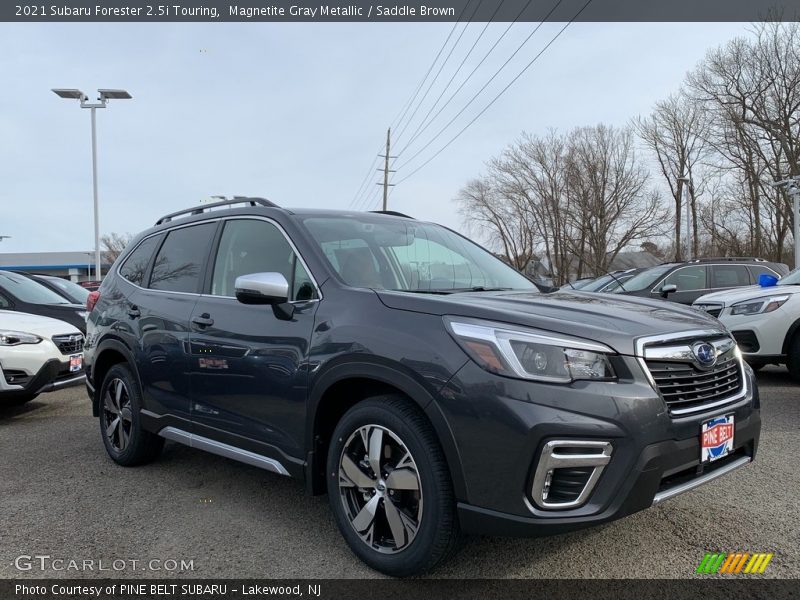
pixel 792 278
pixel 72 291
pixel 645 279
pixel 607 283
pixel 27 290
pixel 399 254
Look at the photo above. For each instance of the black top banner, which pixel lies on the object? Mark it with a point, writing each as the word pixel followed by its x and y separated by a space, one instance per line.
pixel 480 11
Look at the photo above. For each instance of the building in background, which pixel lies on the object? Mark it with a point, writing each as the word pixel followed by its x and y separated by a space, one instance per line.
pixel 75 266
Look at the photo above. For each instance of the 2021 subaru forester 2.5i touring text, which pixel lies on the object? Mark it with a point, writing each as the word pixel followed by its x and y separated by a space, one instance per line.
pixel 427 387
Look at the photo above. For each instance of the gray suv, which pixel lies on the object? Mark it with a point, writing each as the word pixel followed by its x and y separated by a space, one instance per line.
pixel 428 388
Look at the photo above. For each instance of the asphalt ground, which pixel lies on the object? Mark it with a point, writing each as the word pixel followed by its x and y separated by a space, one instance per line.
pixel 61 496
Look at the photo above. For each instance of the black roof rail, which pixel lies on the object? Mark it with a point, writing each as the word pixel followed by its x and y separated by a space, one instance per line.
pixel 393 213
pixel 728 258
pixel 199 210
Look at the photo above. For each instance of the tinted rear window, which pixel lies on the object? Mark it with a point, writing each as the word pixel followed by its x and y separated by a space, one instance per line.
pixel 180 261
pixel 134 267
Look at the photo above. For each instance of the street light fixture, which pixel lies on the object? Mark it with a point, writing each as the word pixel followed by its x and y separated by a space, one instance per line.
pixel 687 181
pixel 792 187
pixel 102 100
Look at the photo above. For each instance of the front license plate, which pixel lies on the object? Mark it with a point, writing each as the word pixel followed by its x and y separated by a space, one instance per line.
pixel 716 438
pixel 75 363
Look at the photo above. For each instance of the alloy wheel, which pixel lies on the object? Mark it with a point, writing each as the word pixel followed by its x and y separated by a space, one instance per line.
pixel 380 489
pixel 117 415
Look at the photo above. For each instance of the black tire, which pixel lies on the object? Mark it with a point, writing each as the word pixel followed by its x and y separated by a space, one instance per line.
pixel 793 359
pixel 756 365
pixel 136 446
pixel 405 429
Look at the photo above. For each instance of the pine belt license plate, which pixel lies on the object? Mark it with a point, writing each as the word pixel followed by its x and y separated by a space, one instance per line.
pixel 75 363
pixel 716 438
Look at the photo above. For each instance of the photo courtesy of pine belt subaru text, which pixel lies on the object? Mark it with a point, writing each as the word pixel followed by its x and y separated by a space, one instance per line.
pixel 427 387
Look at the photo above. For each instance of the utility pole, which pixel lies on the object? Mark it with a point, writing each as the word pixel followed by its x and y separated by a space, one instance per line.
pixel 686 182
pixel 386 170
pixel 792 187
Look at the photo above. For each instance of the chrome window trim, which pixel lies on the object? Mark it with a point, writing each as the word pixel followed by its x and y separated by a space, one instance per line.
pixel 642 342
pixel 217 220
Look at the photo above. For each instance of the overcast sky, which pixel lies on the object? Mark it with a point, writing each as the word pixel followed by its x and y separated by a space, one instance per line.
pixel 291 112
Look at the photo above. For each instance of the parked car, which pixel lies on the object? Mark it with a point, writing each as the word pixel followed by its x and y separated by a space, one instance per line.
pixel 21 293
pixel 92 286
pixel 611 282
pixel 425 385
pixel 765 321
pixel 37 355
pixel 685 282
pixel 577 284
pixel 65 288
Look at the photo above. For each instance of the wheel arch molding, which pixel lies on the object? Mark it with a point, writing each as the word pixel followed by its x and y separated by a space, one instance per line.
pixel 110 351
pixel 369 378
pixel 790 333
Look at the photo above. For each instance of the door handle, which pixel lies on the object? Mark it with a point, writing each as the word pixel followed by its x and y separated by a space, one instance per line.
pixel 203 320
pixel 133 311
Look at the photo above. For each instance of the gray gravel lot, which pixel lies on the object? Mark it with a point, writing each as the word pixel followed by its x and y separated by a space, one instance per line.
pixel 61 496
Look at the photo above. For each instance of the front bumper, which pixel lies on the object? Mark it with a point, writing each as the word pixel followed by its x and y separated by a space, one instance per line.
pixel 501 428
pixel 53 375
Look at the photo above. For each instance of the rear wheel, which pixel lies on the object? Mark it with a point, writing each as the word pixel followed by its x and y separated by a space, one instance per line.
pixel 120 424
pixel 389 487
pixel 793 359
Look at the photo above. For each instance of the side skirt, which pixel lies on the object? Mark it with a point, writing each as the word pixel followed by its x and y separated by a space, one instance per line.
pixel 203 443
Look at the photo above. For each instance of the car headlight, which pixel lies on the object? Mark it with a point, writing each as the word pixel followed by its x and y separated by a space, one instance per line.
pixel 15 338
pixel 759 306
pixel 531 354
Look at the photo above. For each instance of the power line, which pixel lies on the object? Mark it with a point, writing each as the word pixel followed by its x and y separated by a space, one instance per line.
pixel 441 67
pixel 535 58
pixel 485 85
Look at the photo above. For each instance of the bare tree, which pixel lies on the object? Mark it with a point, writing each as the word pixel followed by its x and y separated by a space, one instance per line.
pixel 113 245
pixel 676 133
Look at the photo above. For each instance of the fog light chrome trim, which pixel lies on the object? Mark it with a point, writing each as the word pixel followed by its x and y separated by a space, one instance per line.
pixel 597 455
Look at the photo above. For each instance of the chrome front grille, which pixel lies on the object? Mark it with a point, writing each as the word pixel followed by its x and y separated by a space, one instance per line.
pixel 69 343
pixel 685 383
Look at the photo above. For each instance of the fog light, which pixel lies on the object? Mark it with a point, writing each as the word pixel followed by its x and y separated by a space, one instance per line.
pixel 567 472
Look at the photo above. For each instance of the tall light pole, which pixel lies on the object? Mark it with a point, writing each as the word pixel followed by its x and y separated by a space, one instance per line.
pixel 792 187
pixel 686 181
pixel 102 100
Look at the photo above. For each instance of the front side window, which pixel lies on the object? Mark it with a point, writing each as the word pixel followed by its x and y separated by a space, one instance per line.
pixel 398 254
pixel 250 246
pixel 135 266
pixel 28 290
pixel 180 260
pixel 688 278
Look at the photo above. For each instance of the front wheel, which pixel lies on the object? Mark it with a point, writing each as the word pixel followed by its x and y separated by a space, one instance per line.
pixel 389 487
pixel 793 359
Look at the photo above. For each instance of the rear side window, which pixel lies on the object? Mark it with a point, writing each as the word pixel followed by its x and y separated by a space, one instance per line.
pixel 179 262
pixel 135 266
pixel 729 276
pixel 758 270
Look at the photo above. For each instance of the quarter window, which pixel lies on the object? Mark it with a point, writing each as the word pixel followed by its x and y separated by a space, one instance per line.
pixel 179 263
pixel 250 246
pixel 135 266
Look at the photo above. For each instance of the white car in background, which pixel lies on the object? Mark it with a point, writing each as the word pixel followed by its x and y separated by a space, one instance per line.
pixel 765 321
pixel 37 354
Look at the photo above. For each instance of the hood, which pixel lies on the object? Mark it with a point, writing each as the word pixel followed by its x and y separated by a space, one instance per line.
pixel 728 297
pixel 610 319
pixel 41 326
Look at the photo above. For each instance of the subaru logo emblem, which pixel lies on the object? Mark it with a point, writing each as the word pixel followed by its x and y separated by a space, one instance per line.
pixel 705 354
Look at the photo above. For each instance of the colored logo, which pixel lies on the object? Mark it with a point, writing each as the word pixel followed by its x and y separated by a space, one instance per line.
pixel 717 438
pixel 734 563
pixel 705 354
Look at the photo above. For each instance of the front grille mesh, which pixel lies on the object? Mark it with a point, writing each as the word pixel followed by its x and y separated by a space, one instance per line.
pixel 69 344
pixel 684 387
pixel 567 484
pixel 714 312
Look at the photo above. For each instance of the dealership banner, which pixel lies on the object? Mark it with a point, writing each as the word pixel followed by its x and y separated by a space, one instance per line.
pixel 424 10
pixel 389 589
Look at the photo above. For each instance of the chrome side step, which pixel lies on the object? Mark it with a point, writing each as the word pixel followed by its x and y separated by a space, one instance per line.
pixel 203 443
pixel 690 485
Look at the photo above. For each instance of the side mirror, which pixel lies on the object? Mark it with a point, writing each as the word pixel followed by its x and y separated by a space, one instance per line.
pixel 666 290
pixel 262 288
